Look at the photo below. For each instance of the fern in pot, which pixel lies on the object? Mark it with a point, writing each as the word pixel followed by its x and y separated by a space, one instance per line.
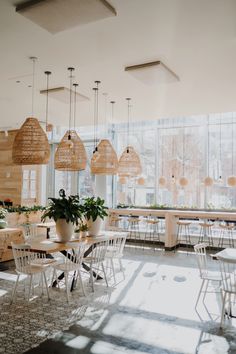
pixel 94 212
pixel 66 212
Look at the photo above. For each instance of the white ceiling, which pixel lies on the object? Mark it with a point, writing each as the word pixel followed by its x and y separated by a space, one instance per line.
pixel 194 38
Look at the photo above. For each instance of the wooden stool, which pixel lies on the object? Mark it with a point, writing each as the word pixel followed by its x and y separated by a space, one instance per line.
pixel 226 234
pixel 133 228
pixel 206 231
pixel 183 232
pixel 152 230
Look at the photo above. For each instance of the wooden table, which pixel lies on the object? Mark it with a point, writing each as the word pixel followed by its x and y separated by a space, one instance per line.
pixel 228 254
pixel 47 226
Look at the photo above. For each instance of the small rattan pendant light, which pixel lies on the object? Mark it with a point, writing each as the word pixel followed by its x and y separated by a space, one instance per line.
pixel 231 181
pixel 31 146
pixel 104 160
pixel 183 181
pixel 208 181
pixel 162 179
pixel 129 162
pixel 70 154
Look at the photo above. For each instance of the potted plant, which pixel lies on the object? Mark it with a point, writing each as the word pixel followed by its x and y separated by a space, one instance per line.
pixel 82 230
pixel 94 212
pixel 3 214
pixel 66 212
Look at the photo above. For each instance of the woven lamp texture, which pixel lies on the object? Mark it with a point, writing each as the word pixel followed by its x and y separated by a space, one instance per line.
pixel 104 161
pixel 70 154
pixel 141 181
pixel 31 145
pixel 231 181
pixel 122 180
pixel 129 163
pixel 162 181
pixel 183 181
pixel 208 181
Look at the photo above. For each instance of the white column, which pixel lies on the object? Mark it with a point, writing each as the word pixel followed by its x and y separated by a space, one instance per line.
pixel 101 191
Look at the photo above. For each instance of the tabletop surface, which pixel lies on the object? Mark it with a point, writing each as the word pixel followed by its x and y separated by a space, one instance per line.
pixel 227 254
pixel 46 224
pixel 52 245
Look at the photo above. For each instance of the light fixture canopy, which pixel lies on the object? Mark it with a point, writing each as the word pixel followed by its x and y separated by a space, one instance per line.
pixel 31 146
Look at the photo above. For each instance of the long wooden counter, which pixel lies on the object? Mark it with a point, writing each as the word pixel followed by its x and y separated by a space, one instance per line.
pixel 7 236
pixel 171 217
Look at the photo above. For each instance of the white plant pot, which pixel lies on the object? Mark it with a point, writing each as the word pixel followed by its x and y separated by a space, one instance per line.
pixel 64 230
pixel 94 226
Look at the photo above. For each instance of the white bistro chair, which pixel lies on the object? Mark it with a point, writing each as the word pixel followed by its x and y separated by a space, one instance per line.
pixel 206 275
pixel 96 260
pixel 115 252
pixel 71 263
pixel 30 264
pixel 228 274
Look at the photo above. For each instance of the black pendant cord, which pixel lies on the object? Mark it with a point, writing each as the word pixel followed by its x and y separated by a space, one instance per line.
pixel 220 149
pixel 94 119
pixel 128 122
pixel 208 147
pixel 70 109
pixel 112 116
pixel 183 155
pixel 75 94
pixel 33 78
pixel 172 148
pixel 47 73
pixel 97 113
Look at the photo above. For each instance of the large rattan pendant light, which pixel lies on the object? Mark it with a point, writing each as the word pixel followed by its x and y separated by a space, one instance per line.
pixel 129 162
pixel 208 181
pixel 231 181
pixel 183 181
pixel 104 160
pixel 31 146
pixel 67 155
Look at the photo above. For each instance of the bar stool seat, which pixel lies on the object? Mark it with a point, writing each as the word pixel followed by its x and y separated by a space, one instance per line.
pixel 206 232
pixel 152 230
pixel 226 234
pixel 183 232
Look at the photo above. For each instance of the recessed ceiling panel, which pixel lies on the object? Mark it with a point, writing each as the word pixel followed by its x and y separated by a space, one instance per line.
pixel 62 94
pixel 59 15
pixel 155 72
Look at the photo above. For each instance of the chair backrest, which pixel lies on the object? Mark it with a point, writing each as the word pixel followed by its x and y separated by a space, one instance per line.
pixel 74 256
pixel 99 251
pixel 22 257
pixel 228 275
pixel 116 245
pixel 200 251
pixel 29 231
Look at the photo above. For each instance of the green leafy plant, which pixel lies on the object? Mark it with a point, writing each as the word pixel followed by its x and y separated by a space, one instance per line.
pixel 82 227
pixel 25 209
pixel 68 208
pixel 3 213
pixel 94 208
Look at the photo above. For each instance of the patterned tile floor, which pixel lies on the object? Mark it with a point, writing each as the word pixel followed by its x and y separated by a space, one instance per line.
pixel 151 311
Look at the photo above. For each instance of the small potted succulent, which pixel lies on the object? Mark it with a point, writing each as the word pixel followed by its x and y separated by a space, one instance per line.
pixel 66 212
pixel 82 230
pixel 94 212
pixel 3 214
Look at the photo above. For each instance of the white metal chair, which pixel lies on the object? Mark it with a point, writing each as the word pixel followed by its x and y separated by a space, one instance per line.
pixel 30 264
pixel 228 274
pixel 205 274
pixel 115 251
pixel 96 261
pixel 71 263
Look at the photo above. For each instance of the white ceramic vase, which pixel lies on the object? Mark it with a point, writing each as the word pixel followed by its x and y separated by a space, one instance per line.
pixel 64 230
pixel 94 226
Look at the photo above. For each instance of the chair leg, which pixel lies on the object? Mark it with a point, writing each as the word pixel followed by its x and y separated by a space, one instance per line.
pixel 105 276
pixel 67 286
pixel 14 289
pixel 91 277
pixel 46 285
pixel 223 310
pixel 200 291
pixel 203 300
pixel 81 282
pixel 30 286
pixel 113 270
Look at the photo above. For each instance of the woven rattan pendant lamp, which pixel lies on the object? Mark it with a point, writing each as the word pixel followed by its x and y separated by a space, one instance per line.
pixel 70 154
pixel 104 160
pixel 208 181
pixel 31 146
pixel 129 162
pixel 231 181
